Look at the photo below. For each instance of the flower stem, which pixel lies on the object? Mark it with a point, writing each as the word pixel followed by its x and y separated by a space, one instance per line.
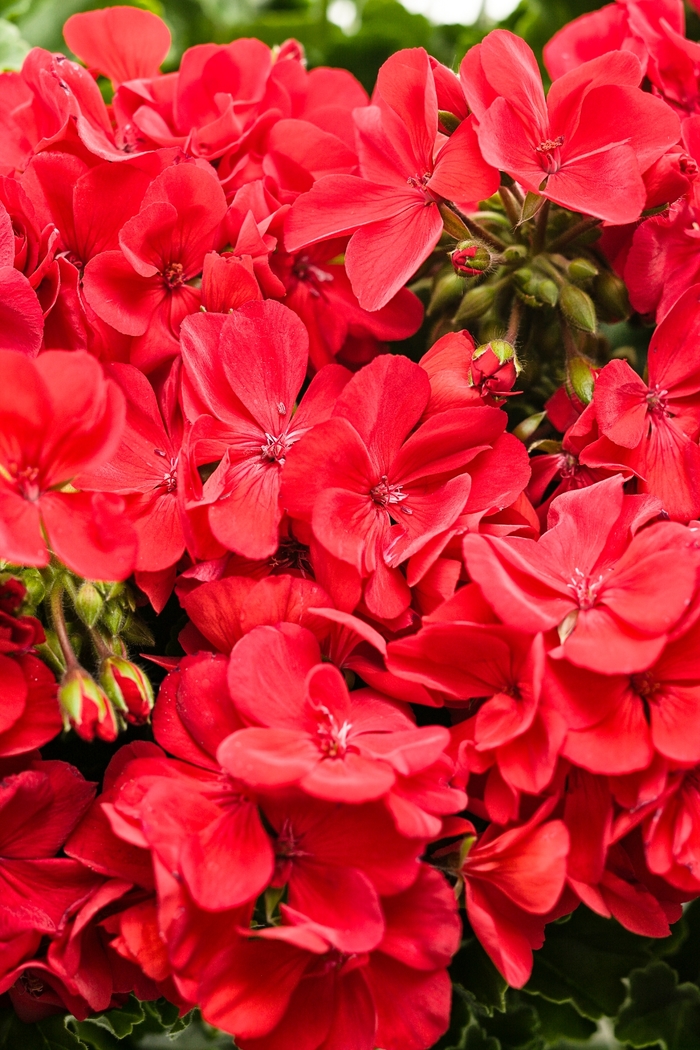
pixel 510 204
pixel 572 233
pixel 516 316
pixel 540 229
pixel 59 625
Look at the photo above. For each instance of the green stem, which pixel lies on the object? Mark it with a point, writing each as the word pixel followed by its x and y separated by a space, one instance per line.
pixel 102 649
pixel 547 267
pixel 540 229
pixel 481 232
pixel 516 315
pixel 572 233
pixel 59 625
pixel 510 204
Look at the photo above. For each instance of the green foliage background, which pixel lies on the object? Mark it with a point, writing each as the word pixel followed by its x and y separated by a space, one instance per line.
pixel 594 984
pixel 382 27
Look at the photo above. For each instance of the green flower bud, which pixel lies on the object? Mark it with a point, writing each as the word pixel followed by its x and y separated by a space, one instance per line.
pixel 448 121
pixel 89 603
pixel 546 291
pixel 476 303
pixel 36 588
pixel 113 618
pixel 611 297
pixel 581 378
pixel 582 270
pixel 447 290
pixel 135 631
pixel 578 309
pixel 522 277
pixel 514 252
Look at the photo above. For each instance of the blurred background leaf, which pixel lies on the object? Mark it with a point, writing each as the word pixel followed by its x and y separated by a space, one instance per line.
pixel 356 34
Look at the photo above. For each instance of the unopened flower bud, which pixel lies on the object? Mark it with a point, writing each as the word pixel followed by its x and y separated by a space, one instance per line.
pixel 89 603
pixel 582 270
pixel 578 308
pixel 36 588
pixel 86 707
pixel 113 617
pixel 128 688
pixel 514 252
pixel 535 291
pixel 135 631
pixel 546 292
pixel 448 289
pixel 448 121
pixel 522 277
pixel 611 297
pixel 470 258
pixel 494 369
pixel 581 378
pixel 476 303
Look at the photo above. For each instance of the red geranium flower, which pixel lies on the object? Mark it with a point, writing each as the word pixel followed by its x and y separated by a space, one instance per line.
pixel 60 415
pixel 587 145
pixel 407 170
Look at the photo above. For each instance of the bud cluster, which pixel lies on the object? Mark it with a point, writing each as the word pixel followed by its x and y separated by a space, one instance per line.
pixel 89 623
pixel 532 272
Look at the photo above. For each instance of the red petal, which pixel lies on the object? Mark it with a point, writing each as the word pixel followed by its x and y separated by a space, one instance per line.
pixel 123 43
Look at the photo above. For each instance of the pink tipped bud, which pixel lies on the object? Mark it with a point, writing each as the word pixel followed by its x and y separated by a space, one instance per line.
pixel 494 369
pixel 86 707
pixel 128 688
pixel 470 259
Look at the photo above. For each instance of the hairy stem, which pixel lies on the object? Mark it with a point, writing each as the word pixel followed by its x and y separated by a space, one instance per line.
pixel 572 233
pixel 59 625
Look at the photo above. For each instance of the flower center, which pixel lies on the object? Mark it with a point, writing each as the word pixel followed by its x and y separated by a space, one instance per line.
pixel 549 152
pixel 287 844
pixel 419 182
pixel 27 481
pixel 549 145
pixel 656 401
pixel 585 590
pixel 332 738
pixel 169 482
pixel 276 448
pixel 384 493
pixel 292 555
pixel 570 466
pixel 174 274
pixel 33 986
pixel 645 685
pixel 313 276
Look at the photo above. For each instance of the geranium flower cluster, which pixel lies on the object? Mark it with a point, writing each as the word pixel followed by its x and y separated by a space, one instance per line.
pixel 421 665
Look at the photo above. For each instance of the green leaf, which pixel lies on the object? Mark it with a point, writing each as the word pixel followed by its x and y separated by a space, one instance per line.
pixel 562 1021
pixel 51 1034
pixel 477 1039
pixel 13 47
pixel 94 1036
pixel 584 961
pixel 516 1028
pixel 123 1021
pixel 660 1010
pixel 473 970
pixel 683 947
pixel 460 1018
pixel 57 1034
